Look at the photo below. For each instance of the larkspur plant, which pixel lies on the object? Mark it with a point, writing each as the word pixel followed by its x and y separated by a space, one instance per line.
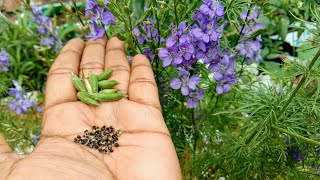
pixel 46 30
pixel 22 101
pixel 232 110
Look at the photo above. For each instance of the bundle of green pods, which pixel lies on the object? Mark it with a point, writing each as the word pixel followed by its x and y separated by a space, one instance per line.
pixel 96 88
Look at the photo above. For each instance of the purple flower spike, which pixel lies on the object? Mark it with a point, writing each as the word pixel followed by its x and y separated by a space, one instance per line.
pixel 96 31
pixel 184 82
pixel 4 60
pixel 48 34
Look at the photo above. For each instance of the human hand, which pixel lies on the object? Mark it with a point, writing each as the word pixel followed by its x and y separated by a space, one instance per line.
pixel 146 150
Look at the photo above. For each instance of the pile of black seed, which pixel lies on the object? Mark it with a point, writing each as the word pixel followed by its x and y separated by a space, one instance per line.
pixel 103 139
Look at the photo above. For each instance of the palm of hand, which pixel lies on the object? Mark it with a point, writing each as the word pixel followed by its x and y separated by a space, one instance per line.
pixel 146 150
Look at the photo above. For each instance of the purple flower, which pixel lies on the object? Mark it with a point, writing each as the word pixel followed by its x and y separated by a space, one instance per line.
pixel 177 34
pixel 21 102
pixel 213 8
pixel 96 31
pixel 224 72
pixel 185 52
pixel 21 106
pixel 185 82
pixel 252 16
pixel 17 91
pixel 4 60
pixel 107 18
pixel 248 48
pixel 193 101
pixel 167 55
pixel 98 12
pixel 149 54
pixel 149 32
pixel 47 41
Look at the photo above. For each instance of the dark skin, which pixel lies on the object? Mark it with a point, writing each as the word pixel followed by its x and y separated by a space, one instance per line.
pixel 146 150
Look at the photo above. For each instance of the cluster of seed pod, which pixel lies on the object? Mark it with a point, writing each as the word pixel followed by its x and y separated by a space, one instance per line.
pixel 96 88
pixel 103 139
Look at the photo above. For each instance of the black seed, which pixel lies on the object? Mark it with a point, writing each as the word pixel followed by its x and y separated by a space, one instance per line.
pixel 111 150
pixel 116 144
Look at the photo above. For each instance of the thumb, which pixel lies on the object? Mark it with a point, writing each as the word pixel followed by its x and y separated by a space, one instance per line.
pixel 4 146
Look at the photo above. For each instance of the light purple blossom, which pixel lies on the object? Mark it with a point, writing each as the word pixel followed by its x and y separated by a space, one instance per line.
pixel 98 12
pixel 17 91
pixel 193 101
pixel 4 60
pixel 21 102
pixel 224 72
pixel 47 41
pixel 21 106
pixel 213 8
pixel 252 16
pixel 248 48
pixel 96 31
pixel 185 82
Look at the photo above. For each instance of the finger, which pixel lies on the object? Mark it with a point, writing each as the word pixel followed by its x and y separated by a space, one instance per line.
pixel 4 146
pixel 116 59
pixel 93 57
pixel 143 88
pixel 59 85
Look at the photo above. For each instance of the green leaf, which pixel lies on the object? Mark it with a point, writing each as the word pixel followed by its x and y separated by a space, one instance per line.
pixel 306 52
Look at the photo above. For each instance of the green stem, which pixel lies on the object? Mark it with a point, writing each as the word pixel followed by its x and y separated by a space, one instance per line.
pixel 175 12
pixel 304 78
pixel 134 38
pixel 77 12
pixel 310 141
pixel 195 134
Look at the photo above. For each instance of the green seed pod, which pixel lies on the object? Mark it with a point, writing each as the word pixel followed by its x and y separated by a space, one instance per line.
pixel 110 96
pixel 107 84
pixel 145 15
pixel 108 91
pixel 105 75
pixel 127 10
pixel 88 86
pixel 93 80
pixel 87 98
pixel 77 83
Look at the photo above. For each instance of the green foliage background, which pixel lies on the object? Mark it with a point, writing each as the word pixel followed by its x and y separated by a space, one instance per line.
pixel 249 133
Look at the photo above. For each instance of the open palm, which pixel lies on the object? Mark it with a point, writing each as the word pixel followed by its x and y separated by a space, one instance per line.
pixel 146 150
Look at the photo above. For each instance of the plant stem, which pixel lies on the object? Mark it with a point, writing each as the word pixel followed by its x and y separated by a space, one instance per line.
pixel 134 38
pixel 77 12
pixel 175 12
pixel 195 134
pixel 304 78
pixel 310 141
